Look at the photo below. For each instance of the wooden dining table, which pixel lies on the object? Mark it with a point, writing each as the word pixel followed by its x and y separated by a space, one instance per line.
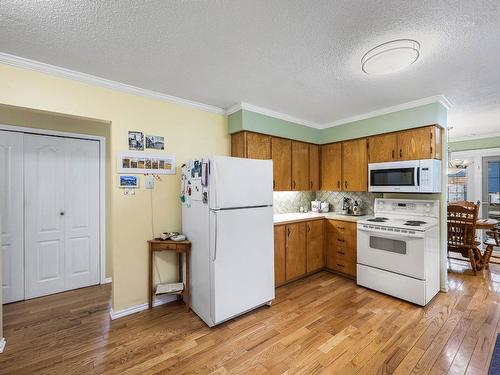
pixel 486 224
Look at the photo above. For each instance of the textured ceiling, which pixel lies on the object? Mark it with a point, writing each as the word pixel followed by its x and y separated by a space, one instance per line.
pixel 297 57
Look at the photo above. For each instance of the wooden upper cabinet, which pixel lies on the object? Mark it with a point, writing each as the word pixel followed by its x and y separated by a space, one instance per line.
pixel 355 165
pixel 279 255
pixel 300 166
pixel 313 167
pixel 315 258
pixel 282 163
pixel 295 250
pixel 420 143
pixel 239 145
pixel 331 166
pixel 258 146
pixel 383 148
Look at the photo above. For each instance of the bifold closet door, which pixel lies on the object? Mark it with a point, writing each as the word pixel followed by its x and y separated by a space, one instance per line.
pixel 61 178
pixel 11 215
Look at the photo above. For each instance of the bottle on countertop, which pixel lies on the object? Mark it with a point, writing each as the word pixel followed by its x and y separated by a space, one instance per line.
pixel 356 208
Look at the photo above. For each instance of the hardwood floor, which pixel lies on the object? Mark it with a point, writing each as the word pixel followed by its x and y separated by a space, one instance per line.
pixel 324 323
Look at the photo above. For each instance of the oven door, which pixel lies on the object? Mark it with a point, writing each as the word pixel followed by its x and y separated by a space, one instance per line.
pixel 392 252
pixel 394 177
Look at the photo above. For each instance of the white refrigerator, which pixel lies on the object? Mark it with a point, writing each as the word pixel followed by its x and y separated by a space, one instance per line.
pixel 227 215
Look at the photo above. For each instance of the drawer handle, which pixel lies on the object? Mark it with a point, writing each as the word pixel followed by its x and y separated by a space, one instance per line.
pixel 341 228
pixel 341 252
pixel 340 265
pixel 338 239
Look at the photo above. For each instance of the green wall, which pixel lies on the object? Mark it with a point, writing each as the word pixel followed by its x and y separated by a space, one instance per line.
pixel 259 123
pixel 428 114
pixel 475 144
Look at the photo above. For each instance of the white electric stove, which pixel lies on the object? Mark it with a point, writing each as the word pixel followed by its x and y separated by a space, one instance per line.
pixel 398 249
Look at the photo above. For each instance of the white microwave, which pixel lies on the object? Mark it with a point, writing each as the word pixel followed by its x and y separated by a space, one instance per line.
pixel 411 176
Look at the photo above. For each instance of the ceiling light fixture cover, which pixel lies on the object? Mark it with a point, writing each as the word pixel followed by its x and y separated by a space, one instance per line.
pixel 390 56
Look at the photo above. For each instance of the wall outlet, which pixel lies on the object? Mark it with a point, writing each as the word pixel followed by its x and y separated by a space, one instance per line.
pixel 149 182
pixel 129 191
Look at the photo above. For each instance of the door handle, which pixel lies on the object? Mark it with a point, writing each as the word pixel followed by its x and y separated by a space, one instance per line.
pixel 274 184
pixel 393 154
pixel 338 184
pixel 288 232
pixel 294 184
pixel 345 184
pixel 400 153
pixel 310 184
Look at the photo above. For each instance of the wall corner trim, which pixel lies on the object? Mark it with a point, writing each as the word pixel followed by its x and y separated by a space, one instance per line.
pixel 162 300
pixel 2 344
pixel 21 62
pixel 107 280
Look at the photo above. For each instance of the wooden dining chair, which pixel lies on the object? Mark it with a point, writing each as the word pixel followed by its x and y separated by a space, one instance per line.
pixel 462 218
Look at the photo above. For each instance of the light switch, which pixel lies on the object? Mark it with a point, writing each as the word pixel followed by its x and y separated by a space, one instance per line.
pixel 149 182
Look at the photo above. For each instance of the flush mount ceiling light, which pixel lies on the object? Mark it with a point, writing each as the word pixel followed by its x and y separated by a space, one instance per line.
pixel 390 56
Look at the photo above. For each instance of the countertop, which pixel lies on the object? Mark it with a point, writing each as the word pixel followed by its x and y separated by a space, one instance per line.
pixel 298 216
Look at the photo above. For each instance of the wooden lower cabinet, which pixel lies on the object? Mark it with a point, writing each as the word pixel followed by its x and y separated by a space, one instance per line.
pixel 315 257
pixel 306 247
pixel 341 246
pixel 295 250
pixel 279 255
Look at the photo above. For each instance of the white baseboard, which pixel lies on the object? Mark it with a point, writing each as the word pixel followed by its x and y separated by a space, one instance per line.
pixel 107 280
pixel 160 300
pixel 2 344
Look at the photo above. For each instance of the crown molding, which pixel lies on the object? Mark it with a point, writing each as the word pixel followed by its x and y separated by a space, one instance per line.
pixel 21 62
pixel 473 137
pixel 271 113
pixel 383 111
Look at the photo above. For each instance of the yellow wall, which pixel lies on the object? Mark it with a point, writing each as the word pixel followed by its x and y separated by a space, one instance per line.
pixel 188 133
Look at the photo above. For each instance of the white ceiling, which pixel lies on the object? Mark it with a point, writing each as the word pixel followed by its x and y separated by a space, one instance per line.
pixel 296 57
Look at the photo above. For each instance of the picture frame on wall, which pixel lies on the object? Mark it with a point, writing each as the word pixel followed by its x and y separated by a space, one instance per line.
pixel 140 162
pixel 155 142
pixel 135 140
pixel 128 181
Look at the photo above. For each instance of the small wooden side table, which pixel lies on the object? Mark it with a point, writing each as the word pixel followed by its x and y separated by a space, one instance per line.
pixel 180 247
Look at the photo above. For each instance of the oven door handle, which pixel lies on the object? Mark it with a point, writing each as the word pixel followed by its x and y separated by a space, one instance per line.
pixel 391 235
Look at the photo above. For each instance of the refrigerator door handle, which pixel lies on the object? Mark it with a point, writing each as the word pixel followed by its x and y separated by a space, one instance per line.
pixel 216 235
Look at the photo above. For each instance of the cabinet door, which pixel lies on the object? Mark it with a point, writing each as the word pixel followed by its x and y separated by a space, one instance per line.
pixel 300 166
pixel 416 144
pixel 382 148
pixel 279 255
pixel 239 145
pixel 313 167
pixel 295 250
pixel 282 163
pixel 258 146
pixel 355 165
pixel 331 167
pixel 315 258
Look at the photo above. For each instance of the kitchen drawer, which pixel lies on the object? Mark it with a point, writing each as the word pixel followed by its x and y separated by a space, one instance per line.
pixel 166 246
pixel 344 266
pixel 344 254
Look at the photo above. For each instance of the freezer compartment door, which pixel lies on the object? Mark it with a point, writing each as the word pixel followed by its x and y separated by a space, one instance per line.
pixel 242 264
pixel 237 182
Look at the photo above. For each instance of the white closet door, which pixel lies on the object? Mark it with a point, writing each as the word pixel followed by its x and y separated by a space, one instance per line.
pixel 81 213
pixel 11 215
pixel 44 163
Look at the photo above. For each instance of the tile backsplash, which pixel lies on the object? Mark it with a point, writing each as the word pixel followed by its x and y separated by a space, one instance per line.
pixel 336 198
pixel 291 201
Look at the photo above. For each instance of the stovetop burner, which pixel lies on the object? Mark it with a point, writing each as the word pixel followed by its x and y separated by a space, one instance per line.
pixel 414 223
pixel 378 219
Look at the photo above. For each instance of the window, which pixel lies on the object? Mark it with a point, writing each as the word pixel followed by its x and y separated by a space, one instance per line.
pixel 457 186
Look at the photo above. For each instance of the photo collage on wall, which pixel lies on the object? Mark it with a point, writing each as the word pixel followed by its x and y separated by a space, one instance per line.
pixel 138 161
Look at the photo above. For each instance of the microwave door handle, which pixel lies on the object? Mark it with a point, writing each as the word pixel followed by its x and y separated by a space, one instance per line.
pixel 417 175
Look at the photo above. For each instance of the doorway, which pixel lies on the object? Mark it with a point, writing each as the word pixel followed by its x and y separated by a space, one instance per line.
pixel 51 213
